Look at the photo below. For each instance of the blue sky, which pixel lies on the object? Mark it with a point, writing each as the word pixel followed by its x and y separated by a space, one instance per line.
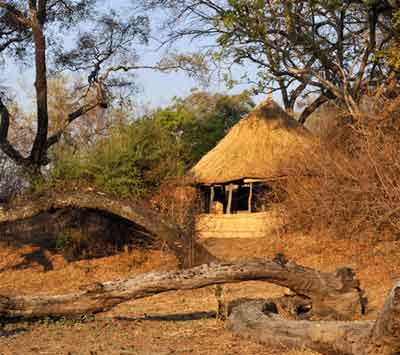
pixel 157 89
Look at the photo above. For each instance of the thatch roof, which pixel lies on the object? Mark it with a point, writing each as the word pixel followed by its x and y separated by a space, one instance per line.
pixel 260 146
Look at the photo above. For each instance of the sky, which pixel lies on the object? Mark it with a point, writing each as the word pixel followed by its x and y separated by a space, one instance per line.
pixel 160 88
pixel 156 89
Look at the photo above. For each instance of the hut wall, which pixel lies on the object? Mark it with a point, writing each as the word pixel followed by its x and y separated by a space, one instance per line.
pixel 239 225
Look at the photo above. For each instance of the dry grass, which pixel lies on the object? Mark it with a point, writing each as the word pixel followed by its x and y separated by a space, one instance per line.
pixel 23 270
pixel 179 322
pixel 171 323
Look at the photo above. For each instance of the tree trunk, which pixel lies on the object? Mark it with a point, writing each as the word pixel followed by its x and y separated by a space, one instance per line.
pixel 187 250
pixel 332 295
pixel 257 319
pixel 381 337
pixel 39 149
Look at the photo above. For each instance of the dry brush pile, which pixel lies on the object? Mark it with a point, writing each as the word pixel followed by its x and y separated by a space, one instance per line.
pixel 351 185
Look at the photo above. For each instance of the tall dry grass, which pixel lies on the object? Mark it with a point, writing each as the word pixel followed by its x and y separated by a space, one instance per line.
pixel 351 184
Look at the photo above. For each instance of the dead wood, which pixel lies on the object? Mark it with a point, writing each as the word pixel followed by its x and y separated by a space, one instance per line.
pixel 186 249
pixel 332 295
pixel 254 319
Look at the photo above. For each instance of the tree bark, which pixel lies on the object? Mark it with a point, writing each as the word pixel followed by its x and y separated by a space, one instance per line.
pixel 381 337
pixel 385 335
pixel 38 155
pixel 331 294
pixel 5 145
pixel 182 245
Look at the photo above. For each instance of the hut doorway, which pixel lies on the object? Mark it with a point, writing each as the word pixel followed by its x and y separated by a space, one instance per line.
pixel 239 197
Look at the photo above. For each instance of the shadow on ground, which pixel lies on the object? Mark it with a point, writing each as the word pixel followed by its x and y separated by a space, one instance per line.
pixel 9 333
pixel 180 317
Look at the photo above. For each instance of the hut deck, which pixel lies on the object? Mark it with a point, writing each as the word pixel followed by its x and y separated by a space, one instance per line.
pixel 239 225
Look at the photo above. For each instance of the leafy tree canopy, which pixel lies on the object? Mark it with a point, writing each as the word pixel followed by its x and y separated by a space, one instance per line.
pixel 323 48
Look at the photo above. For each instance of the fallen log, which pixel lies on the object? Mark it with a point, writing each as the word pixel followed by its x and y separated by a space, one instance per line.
pixel 254 320
pixel 187 250
pixel 331 295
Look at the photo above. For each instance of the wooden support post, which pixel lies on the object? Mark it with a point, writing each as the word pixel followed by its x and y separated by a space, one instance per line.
pixel 212 199
pixel 229 207
pixel 250 195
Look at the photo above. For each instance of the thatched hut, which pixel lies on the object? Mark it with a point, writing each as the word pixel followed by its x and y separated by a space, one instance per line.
pixel 258 150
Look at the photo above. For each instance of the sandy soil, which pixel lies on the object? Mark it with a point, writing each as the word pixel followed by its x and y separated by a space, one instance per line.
pixel 174 322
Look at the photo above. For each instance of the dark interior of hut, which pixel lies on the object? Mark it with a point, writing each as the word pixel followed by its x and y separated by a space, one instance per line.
pixel 245 197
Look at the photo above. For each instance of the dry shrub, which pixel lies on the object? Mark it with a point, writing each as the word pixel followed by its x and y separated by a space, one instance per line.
pixel 177 199
pixel 351 183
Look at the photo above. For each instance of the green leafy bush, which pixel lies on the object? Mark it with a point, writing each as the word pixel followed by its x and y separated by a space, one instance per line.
pixel 63 241
pixel 130 162
pixel 200 120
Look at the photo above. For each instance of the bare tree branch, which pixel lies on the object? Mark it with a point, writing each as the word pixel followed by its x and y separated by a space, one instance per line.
pixel 6 146
pixel 17 17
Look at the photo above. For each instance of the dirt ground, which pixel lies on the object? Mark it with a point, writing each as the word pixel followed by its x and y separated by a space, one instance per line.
pixel 174 322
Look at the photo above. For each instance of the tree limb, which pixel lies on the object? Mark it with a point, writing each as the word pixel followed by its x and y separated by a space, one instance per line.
pixel 153 222
pixel 16 15
pixel 333 295
pixel 5 145
pixel 312 107
pixel 55 137
pixel 382 337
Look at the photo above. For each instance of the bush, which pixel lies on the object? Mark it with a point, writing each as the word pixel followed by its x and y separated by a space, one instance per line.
pixel 63 241
pixel 137 157
pixel 351 187
pixel 131 162
pixel 200 120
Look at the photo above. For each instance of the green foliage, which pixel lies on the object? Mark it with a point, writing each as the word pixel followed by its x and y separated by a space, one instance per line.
pixel 370 3
pixel 37 183
pixel 129 163
pixel 392 54
pixel 67 164
pixel 63 241
pixel 199 121
pixel 396 20
pixel 136 157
